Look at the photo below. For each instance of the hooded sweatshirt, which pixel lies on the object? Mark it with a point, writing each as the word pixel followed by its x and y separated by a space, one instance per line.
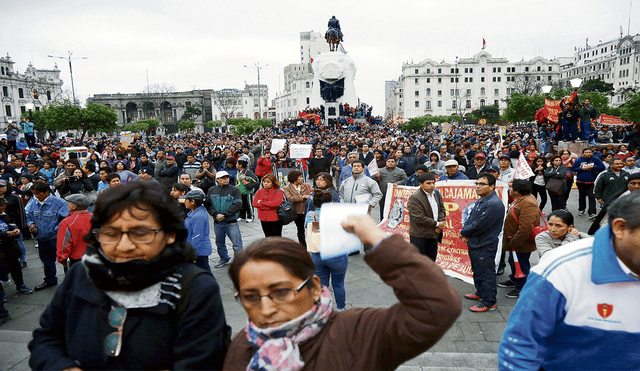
pixel 437 168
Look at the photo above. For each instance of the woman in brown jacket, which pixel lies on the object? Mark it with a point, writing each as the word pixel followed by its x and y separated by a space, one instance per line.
pixel 523 215
pixel 298 191
pixel 292 324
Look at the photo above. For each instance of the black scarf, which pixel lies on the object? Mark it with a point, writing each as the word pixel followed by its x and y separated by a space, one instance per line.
pixel 133 275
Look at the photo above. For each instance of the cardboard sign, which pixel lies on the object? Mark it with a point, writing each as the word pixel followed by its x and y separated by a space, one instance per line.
pixel 523 170
pixel 277 145
pixel 300 150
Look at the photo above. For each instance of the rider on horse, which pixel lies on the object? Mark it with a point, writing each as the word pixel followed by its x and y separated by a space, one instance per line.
pixel 334 33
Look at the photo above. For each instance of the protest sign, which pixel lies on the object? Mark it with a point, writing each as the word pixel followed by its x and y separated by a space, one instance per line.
pixel 277 145
pixel 373 167
pixel 453 254
pixel 523 170
pixel 300 151
pixel 126 138
pixel 612 120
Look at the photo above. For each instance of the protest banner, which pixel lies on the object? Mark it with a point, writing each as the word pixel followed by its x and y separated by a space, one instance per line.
pixel 522 170
pixel 300 151
pixel 277 145
pixel 373 168
pixel 612 120
pixel 458 195
pixel 446 127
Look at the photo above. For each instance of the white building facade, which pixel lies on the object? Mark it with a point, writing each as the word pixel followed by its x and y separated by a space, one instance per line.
pixel 448 88
pixel 37 87
pixel 616 62
pixel 241 103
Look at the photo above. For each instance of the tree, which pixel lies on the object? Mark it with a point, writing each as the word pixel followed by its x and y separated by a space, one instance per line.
pixel 263 123
pixel 489 113
pixel 227 100
pixel 186 125
pixel 211 124
pixel 525 83
pixel 61 116
pixel 522 107
pixel 191 114
pixel 631 109
pixel 598 85
pixel 97 118
pixel 148 123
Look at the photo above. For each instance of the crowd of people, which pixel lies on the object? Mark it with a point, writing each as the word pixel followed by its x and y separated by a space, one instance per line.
pixel 165 193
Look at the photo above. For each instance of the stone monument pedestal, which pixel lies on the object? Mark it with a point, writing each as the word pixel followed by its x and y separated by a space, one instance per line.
pixel 574 147
pixel 331 67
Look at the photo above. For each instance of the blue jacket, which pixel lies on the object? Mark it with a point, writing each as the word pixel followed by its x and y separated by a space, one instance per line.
pixel 577 311
pixel 197 224
pixel 587 176
pixel 485 221
pixel 456 176
pixel 226 200
pixel 46 216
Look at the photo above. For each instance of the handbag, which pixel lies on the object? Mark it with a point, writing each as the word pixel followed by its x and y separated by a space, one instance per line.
pixel 537 229
pixel 286 211
pixel 555 186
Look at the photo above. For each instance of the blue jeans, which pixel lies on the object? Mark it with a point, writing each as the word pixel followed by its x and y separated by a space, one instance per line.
pixel 222 230
pixel 585 130
pixel 569 130
pixel 525 266
pixel 23 252
pixel 47 252
pixel 336 268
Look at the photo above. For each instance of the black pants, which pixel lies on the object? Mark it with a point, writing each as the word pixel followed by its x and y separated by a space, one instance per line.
pixel 426 246
pixel 567 192
pixel 69 264
pixel 586 190
pixel 300 227
pixel 272 229
pixel 542 191
pixel 11 255
pixel 484 272
pixel 247 210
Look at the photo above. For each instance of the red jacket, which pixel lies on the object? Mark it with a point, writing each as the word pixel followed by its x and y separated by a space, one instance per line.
pixel 263 166
pixel 71 231
pixel 267 202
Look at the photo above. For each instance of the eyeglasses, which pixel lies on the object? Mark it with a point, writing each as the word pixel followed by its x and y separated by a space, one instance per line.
pixel 481 184
pixel 113 342
pixel 277 296
pixel 136 235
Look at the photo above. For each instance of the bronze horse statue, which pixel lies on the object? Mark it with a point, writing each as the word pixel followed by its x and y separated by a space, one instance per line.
pixel 333 34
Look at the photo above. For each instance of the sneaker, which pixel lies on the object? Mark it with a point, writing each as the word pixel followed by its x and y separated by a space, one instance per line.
pixel 240 219
pixel 23 265
pixel 221 263
pixel 482 308
pixel 592 216
pixel 249 220
pixel 24 290
pixel 6 283
pixel 507 283
pixel 513 294
pixel 581 213
pixel 472 297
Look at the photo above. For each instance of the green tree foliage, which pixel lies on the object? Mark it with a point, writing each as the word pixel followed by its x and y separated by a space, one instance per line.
pixel 263 123
pixel 631 109
pixel 150 123
pixel 597 85
pixel 418 123
pixel 97 118
pixel 522 107
pixel 238 121
pixel 130 127
pixel 191 114
pixel 490 113
pixel 186 125
pixel 67 116
pixel 212 124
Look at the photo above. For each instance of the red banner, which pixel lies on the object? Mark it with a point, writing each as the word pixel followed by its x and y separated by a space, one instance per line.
pixel 612 120
pixel 553 108
pixel 458 195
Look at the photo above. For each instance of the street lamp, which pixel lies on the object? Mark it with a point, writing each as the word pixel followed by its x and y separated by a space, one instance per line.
pixel 73 90
pixel 575 83
pixel 258 68
pixel 30 106
pixel 547 89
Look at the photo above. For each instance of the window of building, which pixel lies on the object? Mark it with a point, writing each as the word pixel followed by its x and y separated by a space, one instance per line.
pixel 482 79
pixel 468 91
pixel 482 70
pixel 453 104
pixel 526 78
pixel 400 104
pixel 539 69
pixel 468 105
pixel 453 70
pixel 23 109
pixel 417 103
pixel 482 103
pixel 439 70
pixel 416 71
pixel 453 92
pixel 428 104
pixel 499 78
pixel 20 93
pixel 466 70
pixel 470 70
pixel 439 80
pixel 428 92
pixel 550 68
pixel 466 79
pixel 494 79
pixel 439 93
pixel 537 78
pixel 416 81
pixel 307 85
pixel 2 69
pixel 496 91
pixel 5 91
pixel 428 70
pixel 482 91
pixel 428 80
pixel 470 79
pixel 308 100
pixel 526 69
pixel 439 104
pixel 417 93
pixel 496 102
pixel 7 110
pixel 494 70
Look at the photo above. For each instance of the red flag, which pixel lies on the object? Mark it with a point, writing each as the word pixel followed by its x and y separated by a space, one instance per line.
pixel 484 43
pixel 311 60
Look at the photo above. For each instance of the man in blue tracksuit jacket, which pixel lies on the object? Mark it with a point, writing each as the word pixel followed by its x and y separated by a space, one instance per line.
pixel 480 232
pixel 579 307
pixel 587 167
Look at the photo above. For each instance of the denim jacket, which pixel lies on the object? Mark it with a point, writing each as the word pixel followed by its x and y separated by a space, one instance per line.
pixel 46 216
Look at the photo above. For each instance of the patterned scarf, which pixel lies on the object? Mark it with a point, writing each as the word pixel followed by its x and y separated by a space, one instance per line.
pixel 278 346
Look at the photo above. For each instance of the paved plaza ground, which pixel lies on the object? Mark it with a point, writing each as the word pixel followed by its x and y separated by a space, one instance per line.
pixel 471 344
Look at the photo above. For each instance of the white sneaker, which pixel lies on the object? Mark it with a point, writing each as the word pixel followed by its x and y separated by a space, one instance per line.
pixel 6 283
pixel 249 220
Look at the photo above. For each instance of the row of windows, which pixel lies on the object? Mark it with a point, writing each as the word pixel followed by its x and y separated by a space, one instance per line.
pixel 5 93
pixel 624 73
pixel 454 104
pixel 470 79
pixel 482 70
pixel 454 92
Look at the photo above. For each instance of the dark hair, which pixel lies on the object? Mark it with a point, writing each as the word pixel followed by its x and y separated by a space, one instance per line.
pixel 358 161
pixel 111 176
pixel 105 169
pixel 564 215
pixel 292 256
pixel 614 159
pixel 553 158
pixel 40 187
pixel 91 167
pixel 231 161
pixel 422 167
pixel 489 177
pixel 587 149
pixel 49 162
pixel 115 166
pixel 327 178
pixel 320 197
pixel 522 186
pixel 626 208
pixel 84 175
pixel 426 176
pixel 147 196
pixel 242 163
pixel 181 187
pixel 293 175
pixel 274 181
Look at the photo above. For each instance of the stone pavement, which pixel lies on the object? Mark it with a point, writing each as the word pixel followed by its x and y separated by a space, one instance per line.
pixel 471 344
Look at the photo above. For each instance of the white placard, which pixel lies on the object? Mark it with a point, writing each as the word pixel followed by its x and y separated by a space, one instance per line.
pixel 523 170
pixel 373 167
pixel 334 240
pixel 277 145
pixel 300 150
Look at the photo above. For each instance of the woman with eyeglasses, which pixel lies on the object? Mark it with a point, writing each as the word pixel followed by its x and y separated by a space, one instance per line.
pixel 136 301
pixel 292 323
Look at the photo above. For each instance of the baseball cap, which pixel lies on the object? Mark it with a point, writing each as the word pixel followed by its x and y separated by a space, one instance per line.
pixel 451 163
pixel 505 156
pixel 222 173
pixel 480 155
pixel 3 183
pixel 194 194
pixel 146 170
pixel 171 158
pixel 80 200
pixel 493 168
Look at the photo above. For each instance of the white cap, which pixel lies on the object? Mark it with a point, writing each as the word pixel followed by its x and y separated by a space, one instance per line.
pixel 222 173
pixel 451 163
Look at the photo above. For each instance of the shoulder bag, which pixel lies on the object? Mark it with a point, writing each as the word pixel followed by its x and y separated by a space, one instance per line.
pixel 555 186
pixel 537 229
pixel 286 211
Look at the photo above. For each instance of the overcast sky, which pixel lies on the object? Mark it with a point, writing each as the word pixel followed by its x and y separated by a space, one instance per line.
pixel 204 44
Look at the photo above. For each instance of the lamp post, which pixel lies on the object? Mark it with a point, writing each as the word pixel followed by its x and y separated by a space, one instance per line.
pixel 575 83
pixel 258 68
pixel 546 90
pixel 30 106
pixel 73 90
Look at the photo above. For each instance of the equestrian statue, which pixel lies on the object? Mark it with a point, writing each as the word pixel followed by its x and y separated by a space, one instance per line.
pixel 333 34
